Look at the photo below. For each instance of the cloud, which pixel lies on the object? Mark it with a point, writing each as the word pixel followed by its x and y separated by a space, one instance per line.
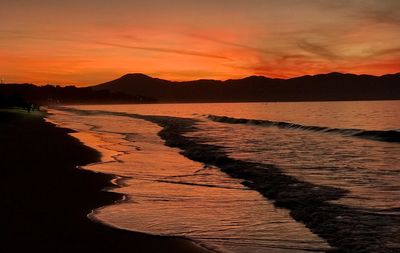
pixel 144 48
pixel 384 52
pixel 317 49
pixel 377 11
pixel 229 43
pixel 164 50
pixel 386 16
pixel 293 56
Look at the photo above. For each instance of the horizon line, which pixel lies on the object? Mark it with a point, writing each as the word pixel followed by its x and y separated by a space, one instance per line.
pixel 201 79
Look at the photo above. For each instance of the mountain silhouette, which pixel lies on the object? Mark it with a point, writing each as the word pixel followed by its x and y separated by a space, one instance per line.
pixel 23 95
pixel 321 87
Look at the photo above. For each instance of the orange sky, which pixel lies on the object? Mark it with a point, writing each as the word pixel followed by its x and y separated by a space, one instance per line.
pixel 89 42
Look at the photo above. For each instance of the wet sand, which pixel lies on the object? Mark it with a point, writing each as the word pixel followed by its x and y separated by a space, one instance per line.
pixel 46 198
pixel 345 228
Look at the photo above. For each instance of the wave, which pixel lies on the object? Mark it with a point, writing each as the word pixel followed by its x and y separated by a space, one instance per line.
pixel 378 135
pixel 346 228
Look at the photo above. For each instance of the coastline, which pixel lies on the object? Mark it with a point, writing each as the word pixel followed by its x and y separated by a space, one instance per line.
pixel 345 228
pixel 48 199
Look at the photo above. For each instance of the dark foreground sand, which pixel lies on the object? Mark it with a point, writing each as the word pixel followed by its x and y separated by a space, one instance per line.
pixel 45 199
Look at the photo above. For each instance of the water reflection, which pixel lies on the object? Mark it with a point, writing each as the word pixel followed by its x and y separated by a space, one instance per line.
pixel 169 194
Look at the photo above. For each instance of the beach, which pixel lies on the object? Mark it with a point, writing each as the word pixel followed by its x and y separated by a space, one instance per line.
pixel 46 197
pixel 328 176
pixel 175 178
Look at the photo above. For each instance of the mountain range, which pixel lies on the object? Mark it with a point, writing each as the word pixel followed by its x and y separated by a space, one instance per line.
pixel 322 87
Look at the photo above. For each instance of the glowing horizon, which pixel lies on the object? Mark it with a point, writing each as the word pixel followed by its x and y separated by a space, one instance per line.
pixel 89 42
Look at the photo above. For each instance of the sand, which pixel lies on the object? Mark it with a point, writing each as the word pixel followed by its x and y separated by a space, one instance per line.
pixel 46 198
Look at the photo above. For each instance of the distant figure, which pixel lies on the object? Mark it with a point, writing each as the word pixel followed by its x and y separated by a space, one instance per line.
pixel 28 108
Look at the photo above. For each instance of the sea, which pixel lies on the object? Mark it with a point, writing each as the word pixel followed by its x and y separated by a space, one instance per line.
pixel 353 146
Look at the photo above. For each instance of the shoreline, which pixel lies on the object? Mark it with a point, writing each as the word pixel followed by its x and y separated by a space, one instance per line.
pixel 345 228
pixel 117 181
pixel 49 208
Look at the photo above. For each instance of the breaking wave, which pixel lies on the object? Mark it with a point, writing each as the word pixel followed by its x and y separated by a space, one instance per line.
pixel 378 135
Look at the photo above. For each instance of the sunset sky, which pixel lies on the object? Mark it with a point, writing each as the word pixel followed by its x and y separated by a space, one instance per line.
pixel 84 42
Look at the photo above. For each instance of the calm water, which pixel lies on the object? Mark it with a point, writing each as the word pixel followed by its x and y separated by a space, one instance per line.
pixel 169 194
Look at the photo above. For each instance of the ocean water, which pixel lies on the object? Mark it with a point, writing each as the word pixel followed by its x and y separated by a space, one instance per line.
pixel 349 145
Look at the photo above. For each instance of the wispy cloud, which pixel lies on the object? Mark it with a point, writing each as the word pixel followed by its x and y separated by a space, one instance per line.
pixel 230 43
pixel 384 52
pixel 317 49
pixel 387 16
pixel 377 11
pixel 163 50
pixel 119 45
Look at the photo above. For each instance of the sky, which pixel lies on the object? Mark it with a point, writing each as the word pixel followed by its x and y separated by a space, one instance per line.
pixel 88 42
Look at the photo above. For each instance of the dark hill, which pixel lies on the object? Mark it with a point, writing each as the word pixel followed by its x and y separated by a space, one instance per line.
pixel 332 86
pixel 25 94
